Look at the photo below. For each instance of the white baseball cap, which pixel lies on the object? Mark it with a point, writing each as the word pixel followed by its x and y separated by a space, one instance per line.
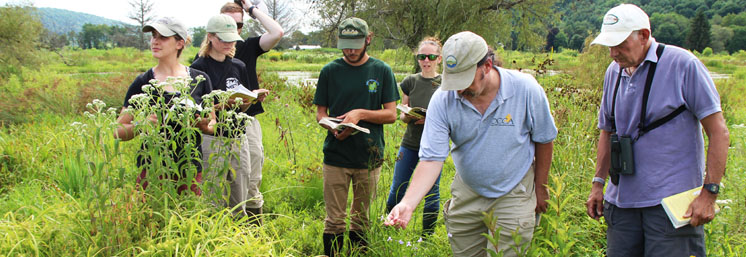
pixel 462 52
pixel 618 24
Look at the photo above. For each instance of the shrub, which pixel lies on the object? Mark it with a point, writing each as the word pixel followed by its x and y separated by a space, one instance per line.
pixel 713 64
pixel 707 51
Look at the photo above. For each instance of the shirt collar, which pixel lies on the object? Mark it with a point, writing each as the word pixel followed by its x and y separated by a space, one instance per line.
pixel 651 56
pixel 507 89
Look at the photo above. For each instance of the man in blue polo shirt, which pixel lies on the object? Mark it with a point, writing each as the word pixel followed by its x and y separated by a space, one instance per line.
pixel 493 116
pixel 664 132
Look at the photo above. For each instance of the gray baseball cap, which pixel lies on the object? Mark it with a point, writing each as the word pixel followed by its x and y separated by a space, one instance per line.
pixel 462 52
pixel 224 27
pixel 167 26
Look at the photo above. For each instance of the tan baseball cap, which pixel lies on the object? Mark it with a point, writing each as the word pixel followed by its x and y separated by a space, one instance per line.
pixel 224 27
pixel 352 33
pixel 618 24
pixel 462 52
pixel 167 26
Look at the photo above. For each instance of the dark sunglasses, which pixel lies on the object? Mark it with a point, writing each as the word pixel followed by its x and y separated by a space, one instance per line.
pixel 239 25
pixel 422 57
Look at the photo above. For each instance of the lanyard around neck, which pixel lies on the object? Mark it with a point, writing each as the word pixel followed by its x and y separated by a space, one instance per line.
pixel 648 82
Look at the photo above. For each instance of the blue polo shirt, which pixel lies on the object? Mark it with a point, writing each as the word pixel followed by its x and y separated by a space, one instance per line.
pixel 491 152
pixel 669 159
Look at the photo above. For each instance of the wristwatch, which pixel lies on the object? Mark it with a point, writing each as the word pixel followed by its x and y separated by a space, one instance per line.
pixel 599 180
pixel 713 188
pixel 251 11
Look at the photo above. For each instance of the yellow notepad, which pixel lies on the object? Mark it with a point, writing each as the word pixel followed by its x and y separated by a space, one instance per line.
pixel 677 205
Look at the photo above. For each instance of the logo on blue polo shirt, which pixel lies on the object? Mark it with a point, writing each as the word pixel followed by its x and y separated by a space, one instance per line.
pixel 503 121
pixel 372 85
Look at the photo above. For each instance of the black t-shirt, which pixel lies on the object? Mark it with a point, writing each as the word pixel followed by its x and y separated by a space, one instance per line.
pixel 225 75
pixel 248 51
pixel 179 151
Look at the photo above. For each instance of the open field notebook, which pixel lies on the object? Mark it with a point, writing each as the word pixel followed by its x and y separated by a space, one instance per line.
pixel 417 112
pixel 334 123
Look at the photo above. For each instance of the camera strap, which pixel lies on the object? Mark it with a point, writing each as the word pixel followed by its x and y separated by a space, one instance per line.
pixel 643 110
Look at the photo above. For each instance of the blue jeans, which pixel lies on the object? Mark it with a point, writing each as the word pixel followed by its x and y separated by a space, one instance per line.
pixel 405 164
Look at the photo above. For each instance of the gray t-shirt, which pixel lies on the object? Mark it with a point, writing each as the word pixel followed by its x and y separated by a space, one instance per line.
pixel 491 152
pixel 669 159
pixel 420 90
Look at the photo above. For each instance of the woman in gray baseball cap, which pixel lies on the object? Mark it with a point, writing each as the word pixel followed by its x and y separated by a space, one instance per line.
pixel 169 38
pixel 228 74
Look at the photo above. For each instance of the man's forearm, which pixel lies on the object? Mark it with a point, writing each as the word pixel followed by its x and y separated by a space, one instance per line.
pixel 382 116
pixel 603 155
pixel 543 157
pixel 321 112
pixel 717 150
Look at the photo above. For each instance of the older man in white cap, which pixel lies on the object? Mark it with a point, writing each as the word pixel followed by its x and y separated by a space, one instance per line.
pixel 656 100
pixel 502 131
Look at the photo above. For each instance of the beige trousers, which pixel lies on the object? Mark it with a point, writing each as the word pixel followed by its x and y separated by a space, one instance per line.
pixel 514 211
pixel 237 176
pixel 337 187
pixel 256 151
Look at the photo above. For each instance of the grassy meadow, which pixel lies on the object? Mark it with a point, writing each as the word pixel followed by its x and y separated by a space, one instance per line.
pixel 67 188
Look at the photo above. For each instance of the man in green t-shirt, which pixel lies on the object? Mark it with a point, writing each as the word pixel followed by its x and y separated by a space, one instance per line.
pixel 358 89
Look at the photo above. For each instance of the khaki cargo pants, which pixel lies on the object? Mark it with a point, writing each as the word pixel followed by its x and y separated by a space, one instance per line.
pixel 465 222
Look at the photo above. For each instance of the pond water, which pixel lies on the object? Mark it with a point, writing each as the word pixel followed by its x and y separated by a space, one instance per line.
pixel 298 77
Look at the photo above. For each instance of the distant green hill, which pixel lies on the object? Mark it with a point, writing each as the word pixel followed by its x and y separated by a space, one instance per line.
pixel 62 21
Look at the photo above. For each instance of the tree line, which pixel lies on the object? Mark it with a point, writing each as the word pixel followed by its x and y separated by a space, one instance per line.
pixel 526 25
pixel 693 24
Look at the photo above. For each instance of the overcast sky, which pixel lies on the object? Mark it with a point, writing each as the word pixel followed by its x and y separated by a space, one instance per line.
pixel 193 13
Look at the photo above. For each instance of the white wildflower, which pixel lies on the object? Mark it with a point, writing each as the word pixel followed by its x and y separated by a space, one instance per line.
pixel 148 88
pixel 724 201
pixel 99 104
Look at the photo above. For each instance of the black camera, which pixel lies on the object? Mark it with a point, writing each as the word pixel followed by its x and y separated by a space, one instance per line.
pixel 622 157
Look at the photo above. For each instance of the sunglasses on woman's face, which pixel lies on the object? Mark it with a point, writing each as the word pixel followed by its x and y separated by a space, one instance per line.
pixel 422 57
pixel 239 25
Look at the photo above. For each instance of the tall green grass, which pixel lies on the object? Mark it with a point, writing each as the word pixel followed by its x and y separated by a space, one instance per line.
pixel 50 206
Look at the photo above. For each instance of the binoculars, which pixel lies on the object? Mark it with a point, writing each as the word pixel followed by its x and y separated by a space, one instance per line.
pixel 622 157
